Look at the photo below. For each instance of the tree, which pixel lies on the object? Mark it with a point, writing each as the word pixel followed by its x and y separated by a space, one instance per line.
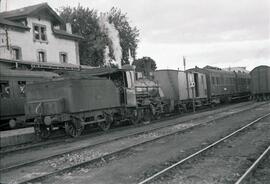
pixel 84 22
pixel 145 65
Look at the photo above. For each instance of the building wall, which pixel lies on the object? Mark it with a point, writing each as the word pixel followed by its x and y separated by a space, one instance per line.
pixel 29 47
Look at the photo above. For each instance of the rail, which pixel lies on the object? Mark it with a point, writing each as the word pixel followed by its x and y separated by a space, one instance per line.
pixel 158 174
pixel 253 166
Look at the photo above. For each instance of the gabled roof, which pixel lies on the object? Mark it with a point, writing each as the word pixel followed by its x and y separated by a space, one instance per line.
pixel 30 10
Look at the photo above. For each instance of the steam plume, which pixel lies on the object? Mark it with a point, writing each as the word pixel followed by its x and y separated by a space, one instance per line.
pixel 110 30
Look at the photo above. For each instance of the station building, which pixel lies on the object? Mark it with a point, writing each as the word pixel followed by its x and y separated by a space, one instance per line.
pixel 37 34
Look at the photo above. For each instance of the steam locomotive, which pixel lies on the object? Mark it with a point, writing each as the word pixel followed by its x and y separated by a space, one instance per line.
pixel 103 96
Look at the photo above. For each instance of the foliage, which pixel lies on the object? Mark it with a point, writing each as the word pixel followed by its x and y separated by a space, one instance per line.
pixel 141 64
pixel 84 22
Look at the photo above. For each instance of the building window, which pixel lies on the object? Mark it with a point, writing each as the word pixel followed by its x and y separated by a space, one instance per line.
pixel 41 56
pixel 39 32
pixel 16 53
pixel 63 57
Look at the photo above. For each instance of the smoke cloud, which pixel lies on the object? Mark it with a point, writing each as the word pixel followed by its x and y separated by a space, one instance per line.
pixel 112 33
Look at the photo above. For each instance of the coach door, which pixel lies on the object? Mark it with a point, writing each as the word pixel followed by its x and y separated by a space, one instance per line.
pixel 196 81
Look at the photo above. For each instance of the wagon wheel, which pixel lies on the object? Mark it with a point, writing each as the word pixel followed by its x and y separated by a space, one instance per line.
pixel 105 125
pixel 43 131
pixel 155 112
pixel 74 128
pixel 134 120
pixel 147 115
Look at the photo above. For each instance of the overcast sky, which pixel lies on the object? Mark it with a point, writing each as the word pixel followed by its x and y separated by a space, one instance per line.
pixel 221 33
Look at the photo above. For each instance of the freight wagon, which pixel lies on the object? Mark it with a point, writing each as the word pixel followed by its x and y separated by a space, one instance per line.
pixel 260 83
pixel 182 88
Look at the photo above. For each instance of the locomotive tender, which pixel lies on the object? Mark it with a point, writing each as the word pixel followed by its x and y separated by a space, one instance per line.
pixel 75 101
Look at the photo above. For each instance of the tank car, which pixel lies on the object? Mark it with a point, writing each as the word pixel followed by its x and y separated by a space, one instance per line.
pixel 260 83
pixel 12 93
pixel 75 101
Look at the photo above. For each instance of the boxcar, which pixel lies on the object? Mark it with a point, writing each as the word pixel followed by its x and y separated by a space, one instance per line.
pixel 260 82
pixel 181 87
pixel 12 93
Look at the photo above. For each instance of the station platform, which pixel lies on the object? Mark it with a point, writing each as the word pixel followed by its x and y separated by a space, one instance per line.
pixel 17 136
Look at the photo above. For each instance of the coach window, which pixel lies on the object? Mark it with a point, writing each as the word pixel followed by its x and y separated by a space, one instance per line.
pixel 21 85
pixel 63 57
pixel 16 53
pixel 4 89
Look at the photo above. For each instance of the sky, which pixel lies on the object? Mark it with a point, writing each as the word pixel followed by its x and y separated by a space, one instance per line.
pixel 222 33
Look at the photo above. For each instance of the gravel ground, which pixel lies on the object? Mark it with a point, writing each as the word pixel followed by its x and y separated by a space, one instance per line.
pixel 262 173
pixel 226 162
pixel 142 161
pixel 71 159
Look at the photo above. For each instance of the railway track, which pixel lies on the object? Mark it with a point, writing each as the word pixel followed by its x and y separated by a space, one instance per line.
pixel 99 158
pixel 142 130
pixel 168 169
pixel 61 139
pixel 253 167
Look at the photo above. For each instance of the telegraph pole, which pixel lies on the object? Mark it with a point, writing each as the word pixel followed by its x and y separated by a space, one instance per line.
pixel 184 63
pixel 190 85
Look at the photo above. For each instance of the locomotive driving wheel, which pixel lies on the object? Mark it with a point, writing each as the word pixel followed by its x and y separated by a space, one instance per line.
pixel 136 117
pixel 147 116
pixel 75 127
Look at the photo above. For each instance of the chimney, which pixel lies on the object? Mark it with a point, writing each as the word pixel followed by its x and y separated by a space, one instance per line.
pixel 68 28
